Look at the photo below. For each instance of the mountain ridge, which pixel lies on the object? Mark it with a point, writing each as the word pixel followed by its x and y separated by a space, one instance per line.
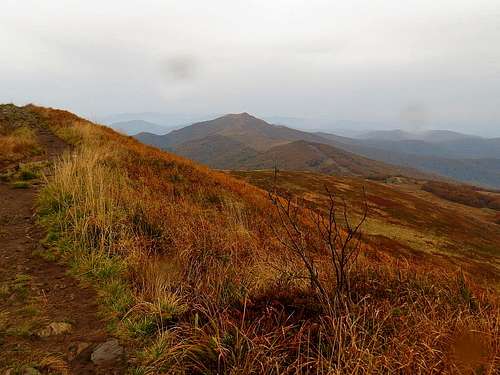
pixel 236 141
pixel 132 127
pixel 430 135
pixel 255 137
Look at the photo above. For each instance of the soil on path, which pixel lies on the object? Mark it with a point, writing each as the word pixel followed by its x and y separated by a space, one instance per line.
pixel 36 291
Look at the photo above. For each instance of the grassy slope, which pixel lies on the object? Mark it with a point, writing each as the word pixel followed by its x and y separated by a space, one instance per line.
pixel 406 221
pixel 207 151
pixel 17 135
pixel 317 157
pixel 192 274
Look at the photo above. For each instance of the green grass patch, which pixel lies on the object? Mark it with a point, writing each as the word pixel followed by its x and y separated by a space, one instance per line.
pixel 27 174
pixel 23 329
pixel 143 326
pixel 46 254
pixel 7 176
pixel 118 297
pixel 21 185
pixel 4 290
pixel 29 311
pixel 20 286
pixel 106 271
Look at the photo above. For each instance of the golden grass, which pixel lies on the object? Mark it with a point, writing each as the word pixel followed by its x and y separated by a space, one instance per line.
pixel 191 272
pixel 18 144
pixel 405 221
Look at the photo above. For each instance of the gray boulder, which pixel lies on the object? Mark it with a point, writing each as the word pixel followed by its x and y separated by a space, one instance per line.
pixel 107 353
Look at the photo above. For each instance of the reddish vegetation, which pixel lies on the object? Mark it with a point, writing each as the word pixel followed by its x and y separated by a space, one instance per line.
pixel 464 194
pixel 456 233
pixel 17 136
pixel 206 285
pixel 27 274
pixel 497 219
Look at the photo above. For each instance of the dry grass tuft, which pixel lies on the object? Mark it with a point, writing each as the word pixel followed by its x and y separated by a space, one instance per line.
pixel 20 143
pixel 17 134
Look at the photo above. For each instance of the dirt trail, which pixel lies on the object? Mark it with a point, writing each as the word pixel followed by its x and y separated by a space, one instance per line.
pixel 35 292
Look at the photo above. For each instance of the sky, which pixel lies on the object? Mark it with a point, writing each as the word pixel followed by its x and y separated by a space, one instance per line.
pixel 412 64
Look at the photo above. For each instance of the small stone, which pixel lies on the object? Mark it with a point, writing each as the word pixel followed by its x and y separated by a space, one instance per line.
pixel 55 328
pixel 107 353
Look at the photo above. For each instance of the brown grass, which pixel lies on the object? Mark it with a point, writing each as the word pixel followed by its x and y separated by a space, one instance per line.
pixel 496 219
pixel 405 221
pixel 464 194
pixel 192 273
pixel 17 134
pixel 18 144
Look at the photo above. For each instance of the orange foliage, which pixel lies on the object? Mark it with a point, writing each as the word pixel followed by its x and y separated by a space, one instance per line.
pixel 464 194
pixel 497 219
pixel 17 137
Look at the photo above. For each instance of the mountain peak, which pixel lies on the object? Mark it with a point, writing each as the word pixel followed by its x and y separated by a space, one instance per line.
pixel 242 115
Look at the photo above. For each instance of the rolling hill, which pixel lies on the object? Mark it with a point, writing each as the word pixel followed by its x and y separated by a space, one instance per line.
pixel 132 127
pixel 484 172
pixel 466 148
pixel 216 143
pixel 432 136
pixel 320 157
pixel 242 141
pixel 242 127
pixel 420 220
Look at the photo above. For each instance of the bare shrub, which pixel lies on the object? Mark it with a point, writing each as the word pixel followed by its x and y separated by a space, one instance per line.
pixel 310 235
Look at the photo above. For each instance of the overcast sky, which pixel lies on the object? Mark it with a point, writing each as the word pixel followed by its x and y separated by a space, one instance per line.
pixel 410 64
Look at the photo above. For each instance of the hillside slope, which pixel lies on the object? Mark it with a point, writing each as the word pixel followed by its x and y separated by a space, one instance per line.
pixel 449 156
pixel 241 141
pixel 432 136
pixel 420 221
pixel 318 157
pixel 208 151
pixel 445 159
pixel 247 129
pixel 196 273
pixel 49 322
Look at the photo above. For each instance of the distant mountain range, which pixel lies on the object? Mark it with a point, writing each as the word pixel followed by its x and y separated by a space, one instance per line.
pixel 242 141
pixel 150 122
pixel 440 143
pixel 132 127
pixel 432 136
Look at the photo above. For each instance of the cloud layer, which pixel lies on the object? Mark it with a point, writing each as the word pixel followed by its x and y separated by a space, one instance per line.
pixel 414 63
